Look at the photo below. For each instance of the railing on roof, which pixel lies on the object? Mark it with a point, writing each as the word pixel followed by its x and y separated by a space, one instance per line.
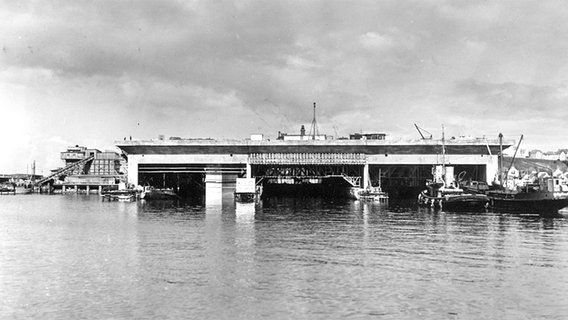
pixel 308 158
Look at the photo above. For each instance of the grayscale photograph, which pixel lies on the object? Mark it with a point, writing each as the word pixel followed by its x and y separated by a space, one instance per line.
pixel 283 159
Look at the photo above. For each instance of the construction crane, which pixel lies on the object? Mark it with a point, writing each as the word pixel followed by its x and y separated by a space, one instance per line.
pixel 420 130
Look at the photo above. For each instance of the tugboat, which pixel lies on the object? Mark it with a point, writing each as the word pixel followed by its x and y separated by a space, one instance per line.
pixel 443 191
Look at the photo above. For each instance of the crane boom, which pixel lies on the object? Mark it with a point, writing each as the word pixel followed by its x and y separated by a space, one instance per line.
pixel 420 130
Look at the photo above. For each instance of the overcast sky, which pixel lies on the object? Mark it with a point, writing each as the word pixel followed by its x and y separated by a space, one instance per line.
pixel 92 72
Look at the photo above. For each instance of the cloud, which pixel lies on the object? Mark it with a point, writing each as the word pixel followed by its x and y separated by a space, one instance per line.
pixel 374 40
pixel 99 71
pixel 516 100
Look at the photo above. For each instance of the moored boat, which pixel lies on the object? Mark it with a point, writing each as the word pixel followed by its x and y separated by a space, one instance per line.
pixel 120 194
pixel 125 197
pixel 545 197
pixel 536 193
pixel 442 192
pixel 159 194
pixel 7 189
pixel 370 194
pixel 23 190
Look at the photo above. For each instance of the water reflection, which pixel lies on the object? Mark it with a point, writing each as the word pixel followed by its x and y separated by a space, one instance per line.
pixel 79 257
pixel 245 212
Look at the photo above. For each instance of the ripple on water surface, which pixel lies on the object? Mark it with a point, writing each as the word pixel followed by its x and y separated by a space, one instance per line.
pixel 78 257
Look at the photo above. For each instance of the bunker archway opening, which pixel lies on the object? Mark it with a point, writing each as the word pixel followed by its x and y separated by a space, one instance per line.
pixel 187 180
pixel 406 181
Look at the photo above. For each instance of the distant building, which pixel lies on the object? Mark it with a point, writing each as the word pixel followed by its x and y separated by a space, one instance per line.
pixel 19 179
pixel 367 136
pixel 256 137
pixel 537 154
pixel 554 156
pixel 75 154
pixel 88 168
pixel 301 136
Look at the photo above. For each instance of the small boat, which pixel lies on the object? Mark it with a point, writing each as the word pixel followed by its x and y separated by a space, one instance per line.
pixel 23 190
pixel 370 193
pixel 120 195
pixel 7 189
pixel 159 194
pixel 125 197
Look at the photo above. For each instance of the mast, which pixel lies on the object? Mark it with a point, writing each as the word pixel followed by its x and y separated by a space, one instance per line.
pixel 314 128
pixel 443 149
pixel 501 159
pixel 515 155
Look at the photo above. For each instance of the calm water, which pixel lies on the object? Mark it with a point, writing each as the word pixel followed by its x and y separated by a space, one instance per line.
pixel 74 256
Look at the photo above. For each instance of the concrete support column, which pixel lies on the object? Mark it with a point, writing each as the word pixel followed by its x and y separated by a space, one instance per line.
pixel 75 188
pixel 100 189
pixel 492 169
pixel 213 188
pixel 88 189
pixel 132 170
pixel 366 176
pixel 62 189
pixel 249 171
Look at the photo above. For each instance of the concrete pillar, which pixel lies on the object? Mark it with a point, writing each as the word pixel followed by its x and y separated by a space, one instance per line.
pixel 492 169
pixel 62 189
pixel 213 188
pixel 132 170
pixel 100 189
pixel 88 189
pixel 366 176
pixel 75 188
pixel 249 171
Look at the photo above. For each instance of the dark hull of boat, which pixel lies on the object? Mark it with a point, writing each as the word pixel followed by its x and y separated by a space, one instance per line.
pixel 543 203
pixel 465 202
pixel 543 207
pixel 7 191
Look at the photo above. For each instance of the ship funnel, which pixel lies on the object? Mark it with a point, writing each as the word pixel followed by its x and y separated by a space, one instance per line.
pixel 449 176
